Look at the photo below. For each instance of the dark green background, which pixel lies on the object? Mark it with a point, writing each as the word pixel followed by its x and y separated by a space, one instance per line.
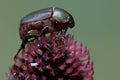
pixel 97 27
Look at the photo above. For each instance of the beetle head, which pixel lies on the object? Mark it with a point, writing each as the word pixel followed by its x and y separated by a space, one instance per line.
pixel 69 22
pixel 63 17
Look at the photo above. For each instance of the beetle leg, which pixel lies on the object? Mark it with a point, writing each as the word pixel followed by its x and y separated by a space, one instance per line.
pixel 36 36
pixel 27 37
pixel 21 47
pixel 43 31
pixel 65 30
pixel 18 51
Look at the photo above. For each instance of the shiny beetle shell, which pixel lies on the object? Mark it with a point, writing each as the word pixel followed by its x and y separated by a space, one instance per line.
pixel 44 21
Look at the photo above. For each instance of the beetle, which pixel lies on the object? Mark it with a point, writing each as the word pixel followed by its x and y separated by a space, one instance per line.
pixel 44 21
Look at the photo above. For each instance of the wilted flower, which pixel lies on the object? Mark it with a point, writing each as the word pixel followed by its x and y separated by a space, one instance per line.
pixel 54 57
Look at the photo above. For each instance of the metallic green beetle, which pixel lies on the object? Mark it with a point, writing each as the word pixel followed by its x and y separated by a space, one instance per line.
pixel 44 21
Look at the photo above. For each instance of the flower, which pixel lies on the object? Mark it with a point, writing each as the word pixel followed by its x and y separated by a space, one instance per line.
pixel 52 57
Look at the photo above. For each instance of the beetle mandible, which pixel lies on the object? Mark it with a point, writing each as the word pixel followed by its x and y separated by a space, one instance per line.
pixel 44 21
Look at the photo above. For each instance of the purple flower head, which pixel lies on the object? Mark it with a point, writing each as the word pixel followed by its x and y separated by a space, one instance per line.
pixel 53 57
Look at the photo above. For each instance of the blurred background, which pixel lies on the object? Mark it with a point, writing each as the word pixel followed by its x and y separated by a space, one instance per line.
pixel 97 27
